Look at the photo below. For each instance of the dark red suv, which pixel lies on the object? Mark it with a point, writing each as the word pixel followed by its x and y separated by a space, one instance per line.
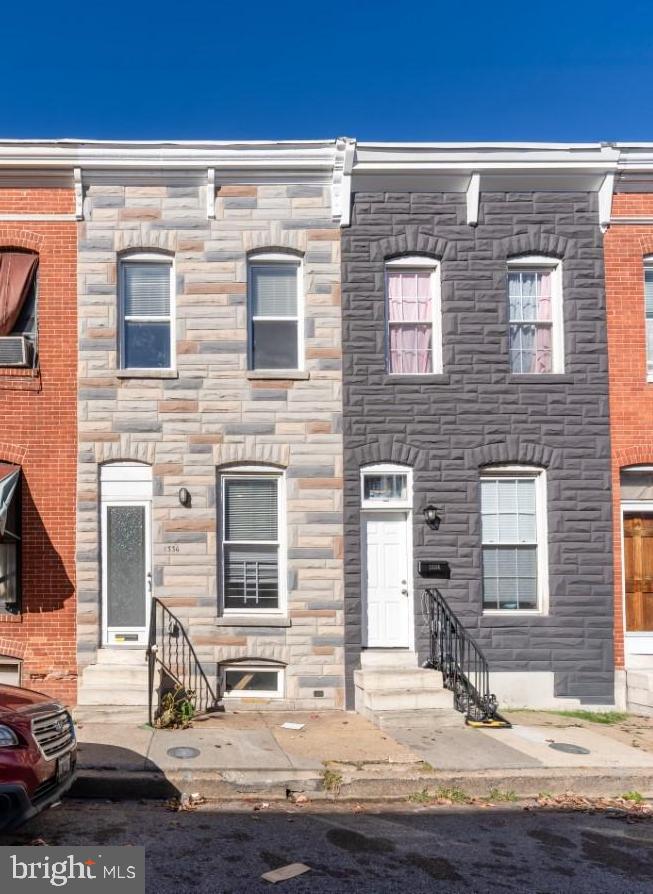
pixel 38 751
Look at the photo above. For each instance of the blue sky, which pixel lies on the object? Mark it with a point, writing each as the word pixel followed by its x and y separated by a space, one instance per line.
pixel 376 70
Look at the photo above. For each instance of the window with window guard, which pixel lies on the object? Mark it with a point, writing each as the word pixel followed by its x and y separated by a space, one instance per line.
pixel 146 313
pixel 251 542
pixel 514 541
pixel 412 306
pixel 648 298
pixel 274 314
pixel 535 310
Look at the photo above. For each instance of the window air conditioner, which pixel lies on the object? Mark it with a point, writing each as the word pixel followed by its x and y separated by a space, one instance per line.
pixel 15 350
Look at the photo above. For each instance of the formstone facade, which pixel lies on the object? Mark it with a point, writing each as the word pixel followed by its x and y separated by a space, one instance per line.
pixel 448 427
pixel 211 413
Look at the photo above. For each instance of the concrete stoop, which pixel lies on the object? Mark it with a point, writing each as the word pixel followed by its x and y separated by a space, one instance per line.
pixel 394 692
pixel 639 690
pixel 115 686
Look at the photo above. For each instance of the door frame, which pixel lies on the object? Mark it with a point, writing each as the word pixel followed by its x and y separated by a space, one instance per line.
pixel 640 640
pixel 142 632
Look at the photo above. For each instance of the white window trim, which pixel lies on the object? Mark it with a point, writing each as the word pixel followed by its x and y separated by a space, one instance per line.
pixel 254 693
pixel 541 532
pixel 282 541
pixel 648 266
pixel 419 263
pixel 557 307
pixel 147 258
pixel 387 469
pixel 262 258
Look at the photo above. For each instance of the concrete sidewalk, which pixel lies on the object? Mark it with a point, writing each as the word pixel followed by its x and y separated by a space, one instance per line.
pixel 338 754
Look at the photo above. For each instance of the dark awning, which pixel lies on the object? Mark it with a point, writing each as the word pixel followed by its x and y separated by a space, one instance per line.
pixel 9 475
pixel 17 271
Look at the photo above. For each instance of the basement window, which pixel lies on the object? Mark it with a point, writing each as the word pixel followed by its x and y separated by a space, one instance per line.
pixel 251 681
pixel 9 671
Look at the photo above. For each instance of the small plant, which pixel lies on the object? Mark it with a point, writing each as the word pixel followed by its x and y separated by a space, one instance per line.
pixel 635 797
pixel 177 709
pixel 605 717
pixel 496 795
pixel 455 795
pixel 331 781
pixel 542 795
pixel 423 797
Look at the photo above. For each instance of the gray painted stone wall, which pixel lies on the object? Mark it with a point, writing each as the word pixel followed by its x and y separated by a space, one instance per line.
pixel 477 413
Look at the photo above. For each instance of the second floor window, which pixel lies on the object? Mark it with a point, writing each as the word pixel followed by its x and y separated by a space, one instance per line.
pixel 146 289
pixel 648 298
pixel 413 317
pixel 535 308
pixel 274 313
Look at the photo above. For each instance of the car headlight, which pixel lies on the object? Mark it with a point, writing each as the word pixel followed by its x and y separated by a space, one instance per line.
pixel 7 737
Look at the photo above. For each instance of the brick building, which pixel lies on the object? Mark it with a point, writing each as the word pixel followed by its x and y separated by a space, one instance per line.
pixel 629 295
pixel 38 409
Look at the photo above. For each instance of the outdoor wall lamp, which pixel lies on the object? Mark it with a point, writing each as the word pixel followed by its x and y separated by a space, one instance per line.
pixel 432 516
pixel 184 496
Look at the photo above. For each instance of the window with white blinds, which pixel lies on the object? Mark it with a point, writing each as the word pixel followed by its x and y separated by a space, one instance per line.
pixel 250 542
pixel 146 312
pixel 274 324
pixel 514 541
pixel 648 299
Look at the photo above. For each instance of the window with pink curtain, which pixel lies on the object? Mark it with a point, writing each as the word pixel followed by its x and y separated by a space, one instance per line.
pixel 531 321
pixel 410 321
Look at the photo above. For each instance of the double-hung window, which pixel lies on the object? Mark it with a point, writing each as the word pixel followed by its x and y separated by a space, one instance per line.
pixel 414 331
pixel 275 336
pixel 648 298
pixel 535 308
pixel 251 535
pixel 146 312
pixel 513 514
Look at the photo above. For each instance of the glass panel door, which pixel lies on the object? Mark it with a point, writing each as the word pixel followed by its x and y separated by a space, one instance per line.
pixel 126 573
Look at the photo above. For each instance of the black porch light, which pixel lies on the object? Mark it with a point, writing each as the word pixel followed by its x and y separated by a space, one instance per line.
pixel 432 516
pixel 184 496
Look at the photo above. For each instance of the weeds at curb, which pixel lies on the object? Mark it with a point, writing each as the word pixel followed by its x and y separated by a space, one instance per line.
pixel 331 781
pixel 496 795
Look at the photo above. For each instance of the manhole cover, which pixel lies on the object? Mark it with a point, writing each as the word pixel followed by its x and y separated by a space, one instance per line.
pixel 183 753
pixel 568 749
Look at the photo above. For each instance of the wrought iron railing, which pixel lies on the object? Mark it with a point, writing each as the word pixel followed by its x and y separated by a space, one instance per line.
pixel 464 667
pixel 170 649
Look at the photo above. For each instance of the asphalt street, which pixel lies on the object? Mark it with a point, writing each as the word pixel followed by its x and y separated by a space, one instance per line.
pixel 224 850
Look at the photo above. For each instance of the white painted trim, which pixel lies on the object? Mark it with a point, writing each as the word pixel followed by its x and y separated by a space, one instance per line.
pixel 387 469
pixel 537 262
pixel 34 216
pixel 419 263
pixel 341 181
pixel 210 194
pixel 290 259
pixel 254 693
pixel 633 221
pixel 258 471
pixel 473 199
pixel 541 533
pixel 606 191
pixel 149 258
pixel 79 193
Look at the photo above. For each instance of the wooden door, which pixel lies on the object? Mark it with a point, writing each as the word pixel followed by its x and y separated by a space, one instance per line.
pixel 638 571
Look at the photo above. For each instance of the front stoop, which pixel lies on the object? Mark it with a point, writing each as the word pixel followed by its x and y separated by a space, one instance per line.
pixel 115 686
pixel 394 693
pixel 639 689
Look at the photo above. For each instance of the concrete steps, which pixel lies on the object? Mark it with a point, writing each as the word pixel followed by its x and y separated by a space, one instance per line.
pixel 114 687
pixel 639 683
pixel 391 689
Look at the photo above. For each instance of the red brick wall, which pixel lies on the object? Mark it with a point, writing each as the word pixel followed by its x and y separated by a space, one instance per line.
pixel 38 423
pixel 631 397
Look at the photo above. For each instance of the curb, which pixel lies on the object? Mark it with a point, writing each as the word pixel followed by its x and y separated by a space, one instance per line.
pixel 349 783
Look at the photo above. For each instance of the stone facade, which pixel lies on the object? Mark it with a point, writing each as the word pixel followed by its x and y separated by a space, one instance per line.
pixel 448 426
pixel 213 413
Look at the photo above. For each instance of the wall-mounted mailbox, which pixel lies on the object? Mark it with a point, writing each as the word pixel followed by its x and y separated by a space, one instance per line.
pixel 433 568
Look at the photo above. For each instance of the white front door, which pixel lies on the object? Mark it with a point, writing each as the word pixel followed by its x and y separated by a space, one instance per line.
pixel 387 608
pixel 126 572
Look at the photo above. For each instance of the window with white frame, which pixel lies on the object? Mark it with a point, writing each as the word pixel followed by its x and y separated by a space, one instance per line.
pixel 275 330
pixel 513 516
pixel 253 561
pixel 536 341
pixel 648 299
pixel 252 680
pixel 146 312
pixel 385 486
pixel 413 316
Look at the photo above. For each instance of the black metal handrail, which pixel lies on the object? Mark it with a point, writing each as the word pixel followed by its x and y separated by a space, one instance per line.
pixel 464 667
pixel 170 647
